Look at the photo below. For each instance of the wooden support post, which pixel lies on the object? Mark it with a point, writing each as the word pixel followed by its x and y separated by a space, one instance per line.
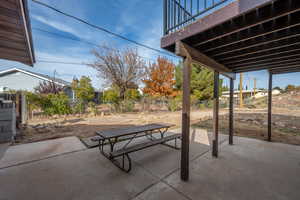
pixel 185 120
pixel 270 107
pixel 241 90
pixel 231 130
pixel 216 115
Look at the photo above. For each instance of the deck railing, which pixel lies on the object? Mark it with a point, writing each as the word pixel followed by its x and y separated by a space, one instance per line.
pixel 179 13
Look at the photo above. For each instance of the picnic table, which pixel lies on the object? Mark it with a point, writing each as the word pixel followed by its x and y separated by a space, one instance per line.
pixel 129 135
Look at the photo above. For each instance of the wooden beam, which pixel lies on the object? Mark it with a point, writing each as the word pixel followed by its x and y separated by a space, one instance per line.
pixel 231 129
pixel 216 18
pixel 247 24
pixel 286 70
pixel 185 119
pixel 215 141
pixel 262 40
pixel 270 107
pixel 262 53
pixel 260 49
pixel 269 64
pixel 197 57
pixel 253 35
pixel 282 67
pixel 266 61
pixel 275 54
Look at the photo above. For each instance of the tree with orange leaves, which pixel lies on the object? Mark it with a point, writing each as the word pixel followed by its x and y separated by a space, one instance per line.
pixel 160 80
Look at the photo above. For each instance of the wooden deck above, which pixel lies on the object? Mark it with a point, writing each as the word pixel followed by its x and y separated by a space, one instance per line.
pixel 246 36
pixel 15 32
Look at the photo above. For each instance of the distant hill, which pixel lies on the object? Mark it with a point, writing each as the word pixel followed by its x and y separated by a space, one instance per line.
pixel 290 101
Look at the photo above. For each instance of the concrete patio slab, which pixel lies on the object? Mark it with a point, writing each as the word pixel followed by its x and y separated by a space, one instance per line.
pixel 162 160
pixel 3 148
pixel 160 191
pixel 250 169
pixel 40 150
pixel 82 175
pixel 256 170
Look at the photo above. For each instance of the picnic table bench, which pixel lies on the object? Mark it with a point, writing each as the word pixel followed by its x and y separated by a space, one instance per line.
pixel 114 136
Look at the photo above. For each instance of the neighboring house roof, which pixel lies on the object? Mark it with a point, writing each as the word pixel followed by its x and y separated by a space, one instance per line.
pixel 15 32
pixel 37 75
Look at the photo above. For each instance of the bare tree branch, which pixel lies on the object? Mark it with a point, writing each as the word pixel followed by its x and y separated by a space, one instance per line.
pixel 123 69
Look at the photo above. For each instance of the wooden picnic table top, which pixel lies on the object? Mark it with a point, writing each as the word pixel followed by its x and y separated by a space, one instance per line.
pixel 119 132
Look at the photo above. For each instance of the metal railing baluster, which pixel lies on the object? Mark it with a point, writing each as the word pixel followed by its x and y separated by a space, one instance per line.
pixel 178 13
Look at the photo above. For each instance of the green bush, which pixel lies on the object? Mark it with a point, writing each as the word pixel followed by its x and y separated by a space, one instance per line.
pixel 93 108
pixel 174 104
pixel 50 104
pixel 33 101
pixel 56 104
pixel 209 104
pixel 202 106
pixel 78 107
pixel 127 106
pixel 132 94
pixel 111 96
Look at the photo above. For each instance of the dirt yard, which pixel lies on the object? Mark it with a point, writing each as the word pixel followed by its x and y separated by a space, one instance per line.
pixel 253 124
pixel 248 123
pixel 86 126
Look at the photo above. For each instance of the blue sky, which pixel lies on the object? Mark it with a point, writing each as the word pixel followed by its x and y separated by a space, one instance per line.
pixel 136 19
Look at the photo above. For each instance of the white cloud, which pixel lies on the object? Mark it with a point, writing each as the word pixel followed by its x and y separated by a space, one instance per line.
pixel 57 25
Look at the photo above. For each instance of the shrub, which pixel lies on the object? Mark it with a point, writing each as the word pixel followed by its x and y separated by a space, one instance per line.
pixel 111 96
pixel 210 104
pixel 174 104
pixel 78 107
pixel 56 104
pixel 132 94
pixel 202 106
pixel 83 89
pixel 50 104
pixel 127 106
pixel 93 108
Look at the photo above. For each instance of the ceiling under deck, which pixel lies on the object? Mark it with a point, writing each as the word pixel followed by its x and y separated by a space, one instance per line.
pixel 247 36
pixel 15 32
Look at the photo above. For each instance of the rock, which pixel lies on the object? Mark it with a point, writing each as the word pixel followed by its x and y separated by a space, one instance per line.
pixel 265 123
pixel 280 124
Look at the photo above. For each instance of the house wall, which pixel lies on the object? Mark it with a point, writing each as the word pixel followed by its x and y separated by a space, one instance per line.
pixel 69 92
pixel 19 81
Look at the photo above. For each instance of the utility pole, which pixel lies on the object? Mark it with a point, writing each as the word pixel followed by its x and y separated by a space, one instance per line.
pixel 254 87
pixel 241 90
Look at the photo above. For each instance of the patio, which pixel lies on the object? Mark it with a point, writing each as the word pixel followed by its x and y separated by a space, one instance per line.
pixel 250 169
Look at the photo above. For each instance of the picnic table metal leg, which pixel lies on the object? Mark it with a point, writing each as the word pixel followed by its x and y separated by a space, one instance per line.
pixel 168 145
pixel 112 143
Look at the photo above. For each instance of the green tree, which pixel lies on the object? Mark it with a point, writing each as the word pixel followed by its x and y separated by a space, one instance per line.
pixel 202 82
pixel 132 94
pixel 290 88
pixel 83 89
pixel 111 96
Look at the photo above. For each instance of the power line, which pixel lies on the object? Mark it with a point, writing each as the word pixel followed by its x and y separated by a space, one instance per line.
pixel 58 62
pixel 101 28
pixel 63 36
pixel 81 40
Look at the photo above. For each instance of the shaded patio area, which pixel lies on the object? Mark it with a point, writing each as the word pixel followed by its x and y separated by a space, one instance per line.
pixel 250 169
